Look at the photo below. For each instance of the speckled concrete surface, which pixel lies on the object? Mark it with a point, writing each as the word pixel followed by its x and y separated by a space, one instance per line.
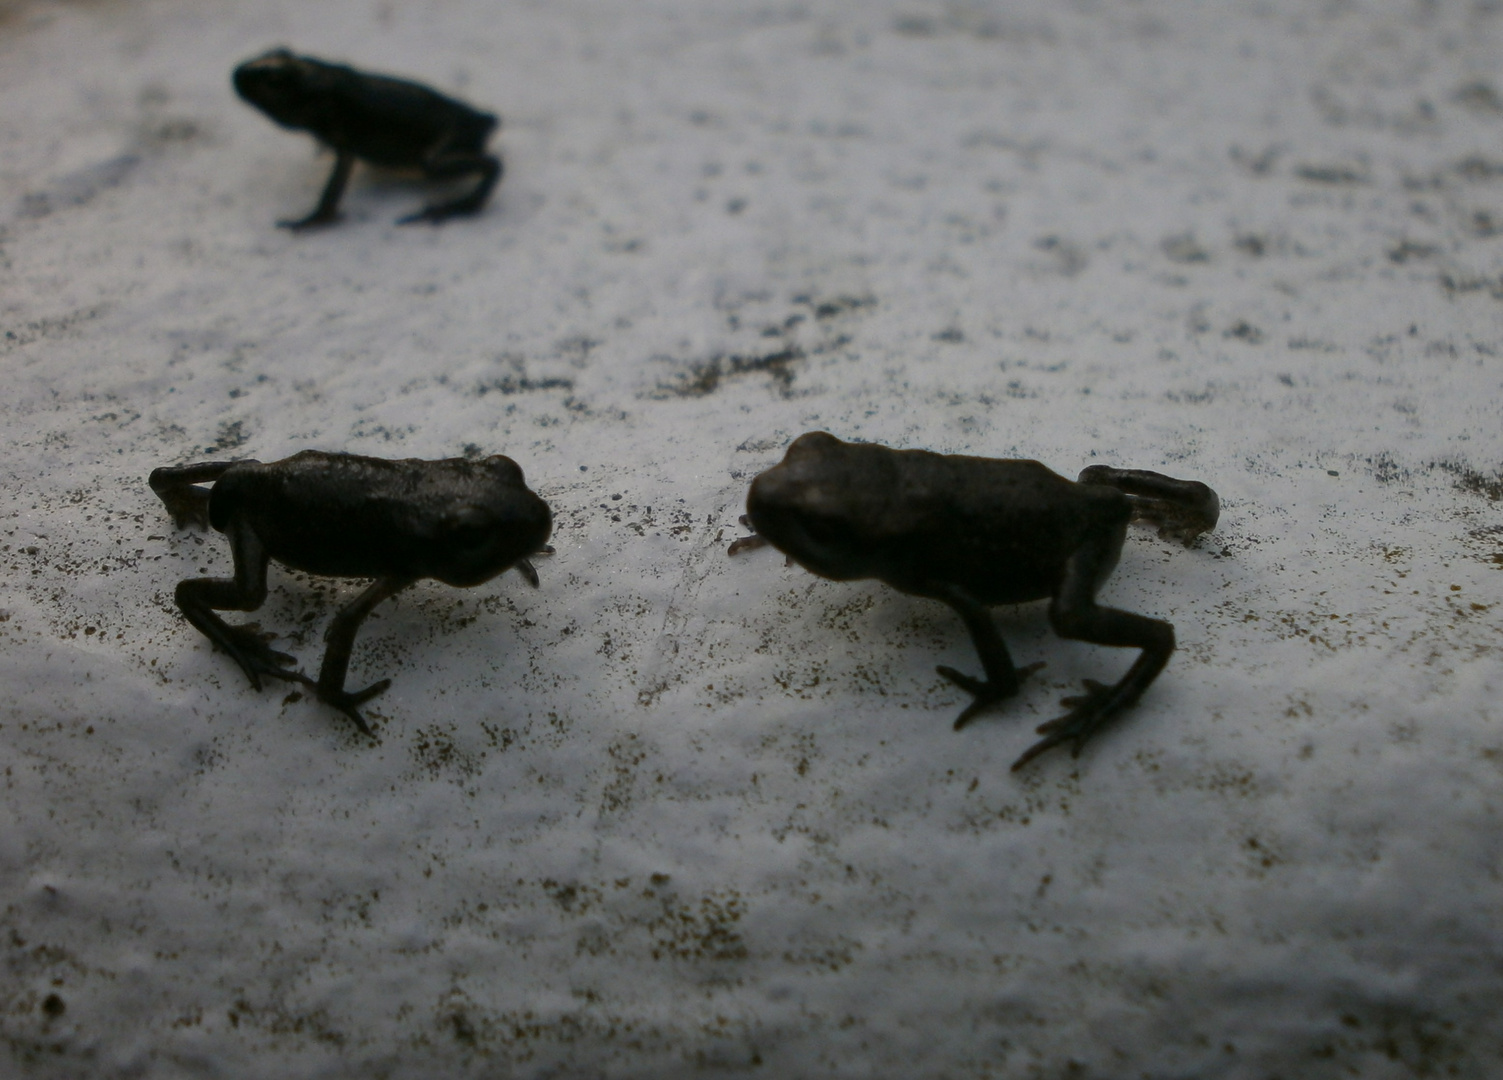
pixel 674 814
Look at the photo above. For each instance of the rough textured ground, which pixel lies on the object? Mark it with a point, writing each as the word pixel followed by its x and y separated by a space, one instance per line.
pixel 675 814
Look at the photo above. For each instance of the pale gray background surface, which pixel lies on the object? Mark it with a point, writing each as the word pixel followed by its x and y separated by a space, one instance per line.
pixel 675 814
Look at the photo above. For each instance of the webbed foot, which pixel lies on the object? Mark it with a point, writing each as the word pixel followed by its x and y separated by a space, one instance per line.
pixel 349 704
pixel 1088 712
pixel 248 645
pixel 986 694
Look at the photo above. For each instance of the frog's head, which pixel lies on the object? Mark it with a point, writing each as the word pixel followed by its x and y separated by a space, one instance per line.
pixel 824 505
pixel 492 524
pixel 281 85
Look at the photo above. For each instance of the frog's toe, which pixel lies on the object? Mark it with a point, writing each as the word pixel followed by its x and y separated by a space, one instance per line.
pixel 1038 748
pixel 970 712
pixel 349 704
pixel 1087 713
pixel 970 685
pixel 1095 699
pixel 431 215
pixel 986 694
pixel 1029 669
pixel 250 647
pixel 362 696
pixel 465 206
pixel 312 221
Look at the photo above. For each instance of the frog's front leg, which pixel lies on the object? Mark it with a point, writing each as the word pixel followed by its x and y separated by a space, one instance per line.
pixel 1002 678
pixel 1075 614
pixel 341 638
pixel 176 486
pixel 327 210
pixel 449 165
pixel 199 598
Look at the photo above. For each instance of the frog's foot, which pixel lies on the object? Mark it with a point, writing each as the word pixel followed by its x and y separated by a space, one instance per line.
pixel 349 704
pixel 315 220
pixel 745 543
pixel 248 645
pixel 188 505
pixel 1088 712
pixel 439 213
pixel 986 694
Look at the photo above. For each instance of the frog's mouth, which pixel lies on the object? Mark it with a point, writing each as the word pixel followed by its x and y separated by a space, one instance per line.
pixel 819 542
pixel 482 544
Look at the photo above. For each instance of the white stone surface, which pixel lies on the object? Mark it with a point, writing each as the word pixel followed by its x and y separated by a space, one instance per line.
pixel 674 814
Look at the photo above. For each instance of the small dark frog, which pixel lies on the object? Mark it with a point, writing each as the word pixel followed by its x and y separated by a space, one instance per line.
pixel 462 522
pixel 378 119
pixel 974 532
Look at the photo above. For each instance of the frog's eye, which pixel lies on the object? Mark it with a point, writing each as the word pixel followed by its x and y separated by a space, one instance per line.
pixel 278 76
pixel 470 529
pixel 470 536
pixel 825 530
pixel 504 469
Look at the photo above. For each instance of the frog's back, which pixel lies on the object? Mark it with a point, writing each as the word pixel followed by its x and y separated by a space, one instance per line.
pixel 346 515
pixel 396 122
pixel 1001 529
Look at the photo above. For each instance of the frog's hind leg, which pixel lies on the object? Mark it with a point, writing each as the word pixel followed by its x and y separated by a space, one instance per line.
pixel 176 486
pixel 199 598
pixel 1075 614
pixel 341 638
pixel 452 166
pixel 1002 678
pixel 1182 509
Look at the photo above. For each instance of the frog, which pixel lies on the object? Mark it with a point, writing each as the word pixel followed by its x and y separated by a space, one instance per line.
pixel 460 521
pixel 379 119
pixel 977 532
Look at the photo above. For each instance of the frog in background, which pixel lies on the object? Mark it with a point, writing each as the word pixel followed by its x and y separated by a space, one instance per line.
pixel 378 119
